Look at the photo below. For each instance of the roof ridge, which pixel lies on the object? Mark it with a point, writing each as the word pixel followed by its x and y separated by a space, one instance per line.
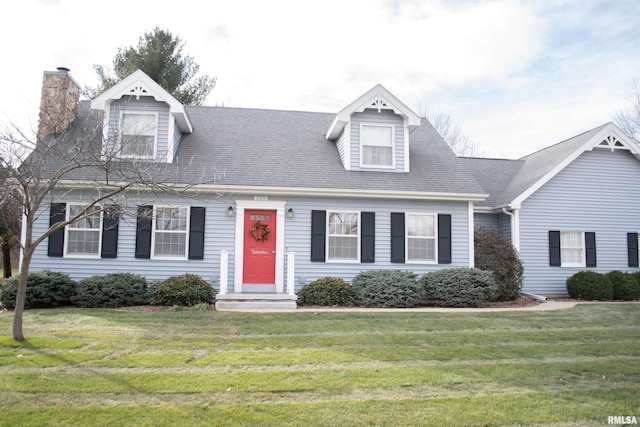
pixel 597 128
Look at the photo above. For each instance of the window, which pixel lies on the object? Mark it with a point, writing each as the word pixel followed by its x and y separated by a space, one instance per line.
pixel 139 134
pixel 170 232
pixel 376 142
pixel 572 248
pixel 83 236
pixel 343 236
pixel 421 237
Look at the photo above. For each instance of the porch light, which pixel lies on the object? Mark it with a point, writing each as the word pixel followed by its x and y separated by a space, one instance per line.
pixel 290 213
pixel 230 211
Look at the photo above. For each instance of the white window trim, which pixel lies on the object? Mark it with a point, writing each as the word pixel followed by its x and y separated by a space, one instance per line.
pixel 359 237
pixel 583 261
pixel 155 140
pixel 393 146
pixel 187 232
pixel 67 228
pixel 435 238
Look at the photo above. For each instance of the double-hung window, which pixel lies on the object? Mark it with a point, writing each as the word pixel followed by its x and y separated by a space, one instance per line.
pixel 343 236
pixel 170 231
pixel 138 134
pixel 572 251
pixel 421 237
pixel 84 236
pixel 376 145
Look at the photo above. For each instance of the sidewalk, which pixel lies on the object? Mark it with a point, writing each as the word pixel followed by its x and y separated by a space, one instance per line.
pixel 543 306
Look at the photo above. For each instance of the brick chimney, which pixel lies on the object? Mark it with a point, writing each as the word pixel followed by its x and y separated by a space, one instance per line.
pixel 58 103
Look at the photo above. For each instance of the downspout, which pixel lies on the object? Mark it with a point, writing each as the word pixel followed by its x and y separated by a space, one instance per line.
pixel 515 226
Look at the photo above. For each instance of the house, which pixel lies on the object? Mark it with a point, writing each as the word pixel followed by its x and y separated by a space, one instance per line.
pixel 572 206
pixel 281 197
pixel 271 200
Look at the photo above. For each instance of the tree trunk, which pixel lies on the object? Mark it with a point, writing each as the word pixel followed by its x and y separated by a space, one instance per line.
pixel 6 258
pixel 18 334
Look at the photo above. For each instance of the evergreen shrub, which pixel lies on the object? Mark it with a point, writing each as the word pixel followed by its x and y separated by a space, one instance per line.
pixel 589 286
pixel 111 290
pixel 44 289
pixel 387 288
pixel 460 287
pixel 625 286
pixel 327 291
pixel 186 290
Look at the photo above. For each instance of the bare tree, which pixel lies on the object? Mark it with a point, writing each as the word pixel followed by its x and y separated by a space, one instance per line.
pixel 70 158
pixel 452 133
pixel 629 119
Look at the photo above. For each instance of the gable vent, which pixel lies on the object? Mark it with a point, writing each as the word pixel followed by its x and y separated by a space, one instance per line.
pixel 612 142
pixel 138 91
pixel 379 103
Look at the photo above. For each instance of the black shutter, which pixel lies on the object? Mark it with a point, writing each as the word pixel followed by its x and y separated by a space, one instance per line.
pixel 368 238
pixel 590 245
pixel 444 239
pixel 397 237
pixel 554 249
pixel 632 249
pixel 143 232
pixel 110 224
pixel 318 233
pixel 56 240
pixel 196 233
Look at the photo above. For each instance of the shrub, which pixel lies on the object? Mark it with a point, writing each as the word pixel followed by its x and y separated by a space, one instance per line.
pixel 460 287
pixel 44 289
pixel 327 291
pixel 590 286
pixel 111 290
pixel 185 290
pixel 496 254
pixel 625 286
pixel 387 288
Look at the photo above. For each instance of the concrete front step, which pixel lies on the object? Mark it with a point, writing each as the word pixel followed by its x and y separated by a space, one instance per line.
pixel 255 301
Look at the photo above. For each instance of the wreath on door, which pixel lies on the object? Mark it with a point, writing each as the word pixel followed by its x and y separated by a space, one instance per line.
pixel 260 232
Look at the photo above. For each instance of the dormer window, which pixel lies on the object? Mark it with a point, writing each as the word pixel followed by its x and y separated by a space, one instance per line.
pixel 377 146
pixel 138 136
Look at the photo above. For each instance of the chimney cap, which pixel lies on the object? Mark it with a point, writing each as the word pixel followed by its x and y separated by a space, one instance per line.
pixel 63 69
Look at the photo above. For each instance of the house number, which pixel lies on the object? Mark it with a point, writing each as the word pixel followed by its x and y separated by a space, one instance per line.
pixel 260 198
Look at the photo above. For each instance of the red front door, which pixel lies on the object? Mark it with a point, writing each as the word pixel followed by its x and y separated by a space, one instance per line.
pixel 259 247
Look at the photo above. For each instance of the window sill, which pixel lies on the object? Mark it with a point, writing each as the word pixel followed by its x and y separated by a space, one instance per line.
pixel 81 256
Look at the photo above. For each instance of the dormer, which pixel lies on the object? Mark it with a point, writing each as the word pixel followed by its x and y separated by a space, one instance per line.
pixel 142 120
pixel 372 133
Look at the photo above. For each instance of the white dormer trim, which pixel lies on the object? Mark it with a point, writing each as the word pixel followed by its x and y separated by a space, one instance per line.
pixel 609 137
pixel 377 98
pixel 140 84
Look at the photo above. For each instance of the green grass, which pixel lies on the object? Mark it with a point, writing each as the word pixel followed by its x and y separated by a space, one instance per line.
pixel 191 367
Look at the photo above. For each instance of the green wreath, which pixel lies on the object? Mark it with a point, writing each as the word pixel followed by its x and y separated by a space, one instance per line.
pixel 260 232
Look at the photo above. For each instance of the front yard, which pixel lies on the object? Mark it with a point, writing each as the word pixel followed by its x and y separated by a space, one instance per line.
pixel 111 367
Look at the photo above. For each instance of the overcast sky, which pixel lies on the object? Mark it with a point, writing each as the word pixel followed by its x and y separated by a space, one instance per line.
pixel 518 75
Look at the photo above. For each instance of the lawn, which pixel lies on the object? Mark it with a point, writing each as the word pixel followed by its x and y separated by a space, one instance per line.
pixel 183 368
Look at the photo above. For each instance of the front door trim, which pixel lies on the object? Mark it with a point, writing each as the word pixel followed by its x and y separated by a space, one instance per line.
pixel 241 206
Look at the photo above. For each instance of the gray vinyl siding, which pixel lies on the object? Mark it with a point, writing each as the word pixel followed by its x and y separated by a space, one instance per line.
pixel 128 103
pixel 298 233
pixel 220 234
pixel 487 220
pixel 177 136
pixel 504 225
pixel 383 117
pixel 341 145
pixel 598 192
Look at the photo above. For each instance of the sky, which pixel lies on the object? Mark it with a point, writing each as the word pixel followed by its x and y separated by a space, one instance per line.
pixel 518 76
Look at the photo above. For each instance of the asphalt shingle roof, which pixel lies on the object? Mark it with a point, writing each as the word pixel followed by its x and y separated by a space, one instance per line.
pixel 505 179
